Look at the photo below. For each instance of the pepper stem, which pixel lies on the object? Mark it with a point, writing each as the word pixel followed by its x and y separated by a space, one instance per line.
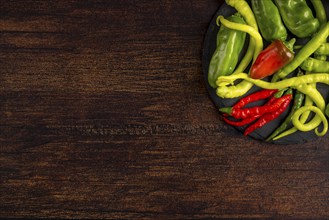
pixel 226 110
pixel 290 44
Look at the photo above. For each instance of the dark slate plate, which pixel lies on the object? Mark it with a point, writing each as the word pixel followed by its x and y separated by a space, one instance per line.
pixel 261 133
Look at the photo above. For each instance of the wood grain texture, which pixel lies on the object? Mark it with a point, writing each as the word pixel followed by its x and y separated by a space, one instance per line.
pixel 104 114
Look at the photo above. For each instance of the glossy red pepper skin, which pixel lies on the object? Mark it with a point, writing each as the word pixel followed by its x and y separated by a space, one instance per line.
pixel 266 118
pixel 243 122
pixel 270 60
pixel 241 113
pixel 256 96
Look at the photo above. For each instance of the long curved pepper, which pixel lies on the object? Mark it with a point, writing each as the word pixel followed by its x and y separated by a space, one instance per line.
pixel 317 98
pixel 308 102
pixel 290 82
pixel 311 92
pixel 243 87
pixel 322 17
pixel 303 119
pixel 245 10
pixel 306 127
pixel 298 101
pixel 314 94
pixel 244 28
pixel 320 11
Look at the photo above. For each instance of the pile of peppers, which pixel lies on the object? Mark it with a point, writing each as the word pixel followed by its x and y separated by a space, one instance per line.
pixel 287 74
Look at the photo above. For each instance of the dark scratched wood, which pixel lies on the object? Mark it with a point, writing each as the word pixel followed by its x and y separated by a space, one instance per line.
pixel 104 114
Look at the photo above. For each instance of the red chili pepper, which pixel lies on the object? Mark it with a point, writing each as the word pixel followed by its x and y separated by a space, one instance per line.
pixel 275 97
pixel 256 96
pixel 250 119
pixel 271 59
pixel 257 110
pixel 266 118
pixel 242 122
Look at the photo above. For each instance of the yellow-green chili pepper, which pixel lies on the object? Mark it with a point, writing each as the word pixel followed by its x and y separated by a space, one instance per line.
pixel 310 125
pixel 244 9
pixel 320 11
pixel 298 101
pixel 322 17
pixel 315 65
pixel 317 98
pixel 244 86
pixel 244 28
pixel 303 119
pixel 314 94
pixel 290 82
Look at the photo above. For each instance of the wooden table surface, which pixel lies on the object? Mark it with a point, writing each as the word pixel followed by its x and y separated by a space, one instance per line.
pixel 104 113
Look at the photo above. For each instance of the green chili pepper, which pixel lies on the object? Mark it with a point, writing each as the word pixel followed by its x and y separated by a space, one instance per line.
pixel 298 17
pixel 323 49
pixel 309 126
pixel 310 47
pixel 303 119
pixel 315 65
pixel 320 11
pixel 322 17
pixel 310 89
pixel 298 101
pixel 313 93
pixel 269 20
pixel 225 58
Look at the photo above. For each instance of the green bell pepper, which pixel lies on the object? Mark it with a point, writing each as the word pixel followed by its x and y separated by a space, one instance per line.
pixel 229 46
pixel 298 17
